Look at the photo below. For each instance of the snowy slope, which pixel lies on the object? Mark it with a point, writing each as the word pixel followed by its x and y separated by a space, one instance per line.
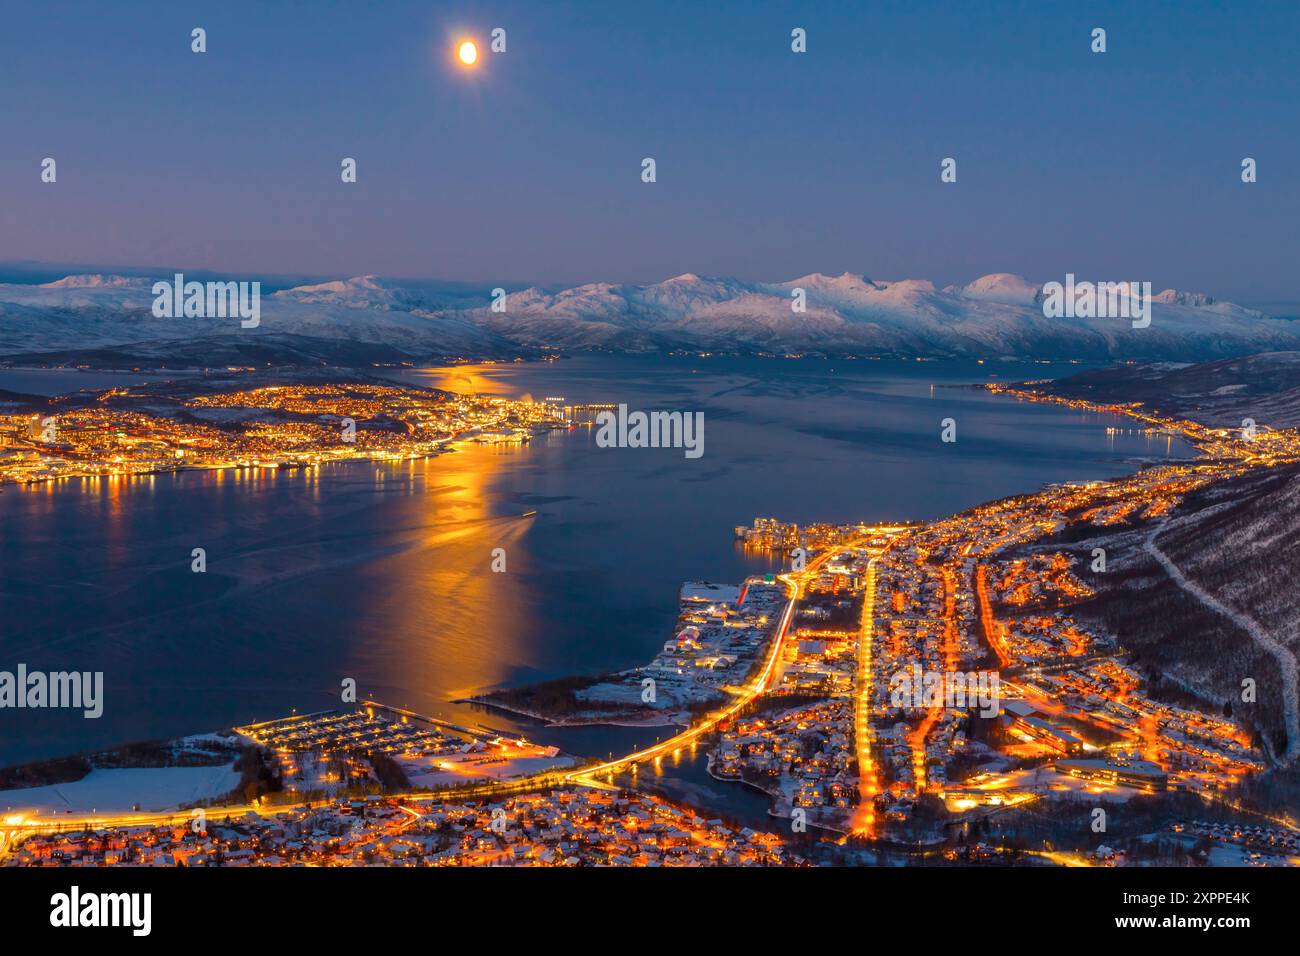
pixel 368 318
pixel 997 315
pixel 365 319
pixel 1264 387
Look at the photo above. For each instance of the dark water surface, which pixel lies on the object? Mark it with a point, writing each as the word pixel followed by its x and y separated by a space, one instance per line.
pixel 382 572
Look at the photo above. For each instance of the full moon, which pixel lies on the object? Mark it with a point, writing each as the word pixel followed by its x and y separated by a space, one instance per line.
pixel 467 52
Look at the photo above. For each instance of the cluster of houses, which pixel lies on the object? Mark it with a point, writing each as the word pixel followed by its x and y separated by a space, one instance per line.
pixel 1047 637
pixel 1271 840
pixel 1028 580
pixel 562 828
pixel 1102 700
pixel 803 757
pixel 1201 750
pixel 1039 639
pixel 917 632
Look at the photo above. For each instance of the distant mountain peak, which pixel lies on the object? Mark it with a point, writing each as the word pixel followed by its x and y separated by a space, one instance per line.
pixel 1004 287
pixel 93 281
pixel 1197 300
pixel 366 283
pixel 844 279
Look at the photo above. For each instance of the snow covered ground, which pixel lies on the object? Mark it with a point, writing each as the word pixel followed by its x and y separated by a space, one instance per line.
pixel 466 767
pixel 153 788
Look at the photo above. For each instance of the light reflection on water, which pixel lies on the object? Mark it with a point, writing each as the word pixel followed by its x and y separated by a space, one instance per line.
pixel 380 572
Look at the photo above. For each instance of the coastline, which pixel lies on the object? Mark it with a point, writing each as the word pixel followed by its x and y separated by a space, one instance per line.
pixel 549 721
pixel 231 466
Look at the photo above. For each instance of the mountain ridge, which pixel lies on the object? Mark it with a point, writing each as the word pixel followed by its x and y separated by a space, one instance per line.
pixel 993 316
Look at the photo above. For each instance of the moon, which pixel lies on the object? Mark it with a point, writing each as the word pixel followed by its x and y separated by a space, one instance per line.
pixel 467 52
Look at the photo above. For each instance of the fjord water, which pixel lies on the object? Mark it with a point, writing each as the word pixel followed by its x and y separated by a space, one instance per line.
pixel 381 572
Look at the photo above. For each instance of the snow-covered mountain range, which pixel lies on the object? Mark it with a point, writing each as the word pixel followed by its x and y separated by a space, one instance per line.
pixel 107 320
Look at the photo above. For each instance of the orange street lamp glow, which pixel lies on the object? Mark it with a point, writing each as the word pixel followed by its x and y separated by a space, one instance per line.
pixel 467 53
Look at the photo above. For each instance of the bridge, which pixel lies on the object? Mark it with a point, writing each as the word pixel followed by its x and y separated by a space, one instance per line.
pixel 19 826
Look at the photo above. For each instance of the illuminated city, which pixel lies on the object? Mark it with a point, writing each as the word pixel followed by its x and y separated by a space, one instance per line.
pixel 787 681
pixel 124 431
pixel 462 462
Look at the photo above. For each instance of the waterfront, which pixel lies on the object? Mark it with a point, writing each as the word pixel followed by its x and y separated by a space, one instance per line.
pixel 381 571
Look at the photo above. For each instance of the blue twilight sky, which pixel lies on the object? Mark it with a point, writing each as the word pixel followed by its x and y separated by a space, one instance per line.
pixel 770 164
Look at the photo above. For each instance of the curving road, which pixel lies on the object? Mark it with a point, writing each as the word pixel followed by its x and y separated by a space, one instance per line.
pixel 795 583
pixel 751 691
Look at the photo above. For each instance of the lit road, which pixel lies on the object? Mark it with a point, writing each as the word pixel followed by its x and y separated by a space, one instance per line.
pixel 992 628
pixel 795 583
pixel 864 817
pixel 751 691
pixel 17 827
pixel 21 826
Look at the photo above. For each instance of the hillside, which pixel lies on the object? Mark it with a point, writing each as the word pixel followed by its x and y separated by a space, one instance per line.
pixel 106 320
pixel 1206 597
pixel 1264 387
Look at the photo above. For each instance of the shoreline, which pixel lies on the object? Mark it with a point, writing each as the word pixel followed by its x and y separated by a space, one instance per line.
pixel 291 466
pixel 552 723
pixel 773 798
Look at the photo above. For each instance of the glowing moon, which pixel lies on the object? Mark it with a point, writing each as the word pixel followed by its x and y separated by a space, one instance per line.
pixel 467 53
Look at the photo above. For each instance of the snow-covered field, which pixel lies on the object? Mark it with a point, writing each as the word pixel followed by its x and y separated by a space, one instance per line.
pixel 153 788
pixel 462 768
